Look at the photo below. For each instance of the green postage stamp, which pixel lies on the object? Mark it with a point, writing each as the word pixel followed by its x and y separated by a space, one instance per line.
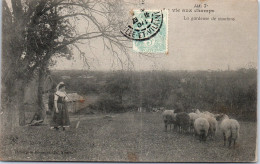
pixel 149 31
pixel 151 25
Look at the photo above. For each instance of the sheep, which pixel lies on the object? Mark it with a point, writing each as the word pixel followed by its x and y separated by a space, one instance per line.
pixel 212 126
pixel 168 118
pixel 193 117
pixel 212 122
pixel 210 118
pixel 182 121
pixel 209 114
pixel 230 129
pixel 201 126
pixel 203 115
pixel 197 111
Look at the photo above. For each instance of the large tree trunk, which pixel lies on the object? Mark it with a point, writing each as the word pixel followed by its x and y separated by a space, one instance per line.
pixel 40 113
pixel 12 107
pixel 9 117
pixel 40 109
pixel 19 112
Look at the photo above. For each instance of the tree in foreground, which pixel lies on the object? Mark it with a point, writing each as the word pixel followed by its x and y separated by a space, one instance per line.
pixel 36 31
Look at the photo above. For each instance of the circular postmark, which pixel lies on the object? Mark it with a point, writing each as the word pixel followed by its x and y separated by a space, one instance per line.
pixel 145 24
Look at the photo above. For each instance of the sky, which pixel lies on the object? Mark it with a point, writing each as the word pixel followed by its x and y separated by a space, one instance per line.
pixel 193 45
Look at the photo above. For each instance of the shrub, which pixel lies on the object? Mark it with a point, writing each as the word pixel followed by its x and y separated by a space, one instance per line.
pixel 107 103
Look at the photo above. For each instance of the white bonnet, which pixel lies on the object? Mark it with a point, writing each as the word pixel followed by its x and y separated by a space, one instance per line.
pixel 57 88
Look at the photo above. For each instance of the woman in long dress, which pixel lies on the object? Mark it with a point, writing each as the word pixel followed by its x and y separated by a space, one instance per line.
pixel 61 115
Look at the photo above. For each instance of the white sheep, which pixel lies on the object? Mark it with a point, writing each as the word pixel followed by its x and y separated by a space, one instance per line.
pixel 212 126
pixel 229 127
pixel 197 111
pixel 211 119
pixel 168 118
pixel 209 114
pixel 201 126
pixel 201 114
pixel 193 117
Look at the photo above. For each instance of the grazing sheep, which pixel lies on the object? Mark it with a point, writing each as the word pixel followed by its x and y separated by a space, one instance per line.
pixel 202 114
pixel 212 126
pixel 182 121
pixel 229 127
pixel 168 118
pixel 212 122
pixel 210 118
pixel 193 117
pixel 209 114
pixel 197 111
pixel 201 126
pixel 206 112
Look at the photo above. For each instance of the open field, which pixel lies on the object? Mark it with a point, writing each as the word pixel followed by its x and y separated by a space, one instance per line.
pixel 122 137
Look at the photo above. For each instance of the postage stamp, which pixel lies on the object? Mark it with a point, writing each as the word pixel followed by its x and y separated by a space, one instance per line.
pixel 154 23
pixel 148 31
pixel 144 25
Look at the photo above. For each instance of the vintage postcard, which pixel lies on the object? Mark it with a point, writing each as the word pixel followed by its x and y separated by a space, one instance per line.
pixel 129 80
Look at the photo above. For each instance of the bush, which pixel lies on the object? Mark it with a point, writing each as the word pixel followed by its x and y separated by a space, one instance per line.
pixel 107 103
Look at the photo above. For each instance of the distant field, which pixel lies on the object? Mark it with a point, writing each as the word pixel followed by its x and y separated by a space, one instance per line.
pixel 123 137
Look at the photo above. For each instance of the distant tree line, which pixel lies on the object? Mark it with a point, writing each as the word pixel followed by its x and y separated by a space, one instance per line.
pixel 231 92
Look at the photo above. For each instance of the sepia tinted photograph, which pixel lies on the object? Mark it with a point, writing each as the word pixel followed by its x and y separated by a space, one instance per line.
pixel 129 80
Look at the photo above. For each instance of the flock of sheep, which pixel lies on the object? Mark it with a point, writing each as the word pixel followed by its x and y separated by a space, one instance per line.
pixel 203 124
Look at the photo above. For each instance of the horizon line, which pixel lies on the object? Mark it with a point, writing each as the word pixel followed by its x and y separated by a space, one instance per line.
pixel 208 70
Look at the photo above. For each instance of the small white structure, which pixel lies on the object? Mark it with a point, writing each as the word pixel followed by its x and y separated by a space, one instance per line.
pixel 75 102
pixel 65 77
